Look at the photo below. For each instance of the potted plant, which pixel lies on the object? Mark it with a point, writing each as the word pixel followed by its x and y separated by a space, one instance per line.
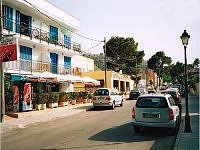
pixel 62 99
pixel 53 99
pixel 84 97
pixel 73 96
pixel 89 97
pixel 41 104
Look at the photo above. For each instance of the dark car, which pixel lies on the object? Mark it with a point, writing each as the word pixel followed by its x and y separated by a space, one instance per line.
pixel 134 94
pixel 174 92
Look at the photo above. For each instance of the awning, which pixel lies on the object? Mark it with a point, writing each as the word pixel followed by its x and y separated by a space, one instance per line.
pixel 88 80
pixel 17 77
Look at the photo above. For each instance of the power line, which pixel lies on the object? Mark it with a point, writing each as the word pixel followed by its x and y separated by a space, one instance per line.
pixel 35 7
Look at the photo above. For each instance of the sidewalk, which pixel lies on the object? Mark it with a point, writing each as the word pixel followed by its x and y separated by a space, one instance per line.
pixel 189 141
pixel 42 116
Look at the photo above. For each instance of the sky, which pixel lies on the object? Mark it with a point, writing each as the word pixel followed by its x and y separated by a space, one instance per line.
pixel 156 25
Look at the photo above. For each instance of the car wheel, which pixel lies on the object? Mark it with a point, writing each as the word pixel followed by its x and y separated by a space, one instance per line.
pixel 113 106
pixel 136 129
pixel 121 103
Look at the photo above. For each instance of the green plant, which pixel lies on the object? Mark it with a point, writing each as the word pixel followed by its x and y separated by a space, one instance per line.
pixel 62 96
pixel 89 95
pixel 73 95
pixel 53 98
pixel 40 98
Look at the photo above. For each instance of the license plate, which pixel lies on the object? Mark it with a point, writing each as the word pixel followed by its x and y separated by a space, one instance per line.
pixel 148 115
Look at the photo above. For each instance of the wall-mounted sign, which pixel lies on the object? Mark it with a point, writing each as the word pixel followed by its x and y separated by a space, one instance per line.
pixel 8 52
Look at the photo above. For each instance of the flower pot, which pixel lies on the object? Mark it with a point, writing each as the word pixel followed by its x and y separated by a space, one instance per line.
pixel 40 106
pixel 73 102
pixel 53 105
pixel 62 104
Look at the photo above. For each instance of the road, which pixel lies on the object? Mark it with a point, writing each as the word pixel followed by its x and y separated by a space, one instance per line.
pixel 92 130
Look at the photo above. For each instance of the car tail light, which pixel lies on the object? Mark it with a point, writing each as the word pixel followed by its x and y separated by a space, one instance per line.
pixel 133 112
pixel 108 98
pixel 171 114
pixel 94 98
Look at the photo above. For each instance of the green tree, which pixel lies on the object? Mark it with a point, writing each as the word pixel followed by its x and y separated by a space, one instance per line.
pixel 177 72
pixel 122 55
pixel 157 61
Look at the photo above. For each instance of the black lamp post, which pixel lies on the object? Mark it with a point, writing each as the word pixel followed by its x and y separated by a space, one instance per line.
pixel 185 38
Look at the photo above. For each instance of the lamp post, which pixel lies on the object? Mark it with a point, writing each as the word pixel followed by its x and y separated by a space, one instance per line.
pixel 185 38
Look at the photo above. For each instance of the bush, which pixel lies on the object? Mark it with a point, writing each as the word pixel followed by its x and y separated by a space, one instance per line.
pixel 53 98
pixel 40 98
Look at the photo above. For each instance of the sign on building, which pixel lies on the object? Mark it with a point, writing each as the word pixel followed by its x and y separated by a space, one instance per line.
pixel 8 50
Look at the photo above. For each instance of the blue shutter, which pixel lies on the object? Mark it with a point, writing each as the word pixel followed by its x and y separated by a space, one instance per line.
pixel 17 21
pixel 54 62
pixel 29 25
pixel 26 57
pixel 67 41
pixel 67 62
pixel 25 53
pixel 53 34
pixel 9 18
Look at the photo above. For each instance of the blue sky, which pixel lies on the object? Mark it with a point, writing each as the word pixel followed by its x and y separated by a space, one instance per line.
pixel 155 24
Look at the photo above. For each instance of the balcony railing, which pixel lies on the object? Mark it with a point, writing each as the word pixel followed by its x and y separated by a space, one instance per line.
pixel 40 34
pixel 38 66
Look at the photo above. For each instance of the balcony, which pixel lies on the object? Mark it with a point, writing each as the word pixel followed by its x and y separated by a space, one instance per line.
pixel 41 35
pixel 37 66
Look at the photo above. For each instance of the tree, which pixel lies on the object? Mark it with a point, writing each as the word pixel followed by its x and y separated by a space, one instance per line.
pixel 157 61
pixel 177 72
pixel 122 54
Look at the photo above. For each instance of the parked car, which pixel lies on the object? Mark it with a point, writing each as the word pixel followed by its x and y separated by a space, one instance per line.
pixel 157 110
pixel 134 94
pixel 151 91
pixel 174 92
pixel 143 90
pixel 107 97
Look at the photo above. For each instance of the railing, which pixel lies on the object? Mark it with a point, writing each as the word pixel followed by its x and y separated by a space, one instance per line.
pixel 42 35
pixel 38 66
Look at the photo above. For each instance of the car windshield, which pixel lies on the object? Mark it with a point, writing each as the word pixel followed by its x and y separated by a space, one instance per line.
pixel 101 92
pixel 151 102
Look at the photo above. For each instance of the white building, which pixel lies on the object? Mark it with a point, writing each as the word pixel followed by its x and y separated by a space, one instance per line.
pixel 44 38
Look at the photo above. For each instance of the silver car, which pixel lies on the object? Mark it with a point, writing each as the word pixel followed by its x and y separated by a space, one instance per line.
pixel 107 97
pixel 156 110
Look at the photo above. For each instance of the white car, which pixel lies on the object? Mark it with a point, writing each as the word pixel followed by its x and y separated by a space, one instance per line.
pixel 156 110
pixel 107 97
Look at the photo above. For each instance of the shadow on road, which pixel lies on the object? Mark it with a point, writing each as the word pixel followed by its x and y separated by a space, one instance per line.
pixel 125 134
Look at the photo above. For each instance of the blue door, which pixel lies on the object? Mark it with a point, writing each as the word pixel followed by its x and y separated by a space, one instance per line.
pixel 26 58
pixel 9 18
pixel 53 35
pixel 54 62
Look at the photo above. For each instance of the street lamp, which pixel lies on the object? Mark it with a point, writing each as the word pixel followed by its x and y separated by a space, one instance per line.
pixel 185 38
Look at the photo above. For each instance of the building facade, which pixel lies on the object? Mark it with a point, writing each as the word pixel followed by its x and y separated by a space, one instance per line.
pixel 116 80
pixel 43 35
pixel 44 39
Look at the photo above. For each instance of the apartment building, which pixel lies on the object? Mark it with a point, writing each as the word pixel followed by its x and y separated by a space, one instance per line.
pixel 44 40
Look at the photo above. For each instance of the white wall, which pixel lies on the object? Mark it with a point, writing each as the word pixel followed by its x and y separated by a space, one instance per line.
pixel 83 62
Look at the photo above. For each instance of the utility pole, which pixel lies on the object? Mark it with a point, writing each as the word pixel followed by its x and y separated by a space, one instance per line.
pixel 2 98
pixel 105 63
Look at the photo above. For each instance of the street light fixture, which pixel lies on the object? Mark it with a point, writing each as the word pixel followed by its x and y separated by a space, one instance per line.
pixel 185 38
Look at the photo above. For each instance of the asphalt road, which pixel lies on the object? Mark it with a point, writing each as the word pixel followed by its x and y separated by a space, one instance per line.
pixel 101 129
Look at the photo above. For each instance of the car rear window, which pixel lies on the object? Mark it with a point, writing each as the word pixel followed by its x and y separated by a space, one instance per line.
pixel 101 92
pixel 151 102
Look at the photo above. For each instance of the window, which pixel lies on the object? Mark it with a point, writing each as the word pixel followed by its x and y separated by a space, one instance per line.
pixel 151 102
pixel 67 41
pixel 26 58
pixel 101 92
pixel 67 62
pixel 25 24
pixel 53 35
pixel 54 62
pixel 8 13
